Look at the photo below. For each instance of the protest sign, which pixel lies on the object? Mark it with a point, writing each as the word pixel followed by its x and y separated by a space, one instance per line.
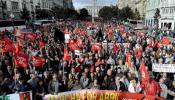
pixel 169 68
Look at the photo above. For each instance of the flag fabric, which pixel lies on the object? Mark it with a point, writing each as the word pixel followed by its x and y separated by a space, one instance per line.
pixel 150 44
pixel 115 47
pixel 79 42
pixel 142 34
pixel 21 60
pixel 73 46
pixel 6 45
pixel 156 45
pixel 41 44
pixel 19 33
pixel 128 60
pixel 17 48
pixel 66 54
pixel 144 73
pixel 25 96
pixel 96 47
pixel 165 41
pixel 31 36
pixel 38 61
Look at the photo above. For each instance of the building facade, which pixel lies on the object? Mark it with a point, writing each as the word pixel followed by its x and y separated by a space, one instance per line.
pixel 16 6
pixel 93 11
pixel 139 4
pixel 167 13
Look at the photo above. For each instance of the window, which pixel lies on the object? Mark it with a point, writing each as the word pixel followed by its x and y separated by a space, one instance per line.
pixel 14 6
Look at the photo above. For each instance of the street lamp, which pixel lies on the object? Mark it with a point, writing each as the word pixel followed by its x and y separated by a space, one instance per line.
pixel 12 16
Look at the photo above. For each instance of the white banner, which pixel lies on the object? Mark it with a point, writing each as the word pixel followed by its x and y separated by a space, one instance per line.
pixel 169 68
pixel 67 37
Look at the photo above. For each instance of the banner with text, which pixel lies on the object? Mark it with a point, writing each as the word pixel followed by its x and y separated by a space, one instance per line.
pixel 169 68
pixel 18 96
pixel 99 95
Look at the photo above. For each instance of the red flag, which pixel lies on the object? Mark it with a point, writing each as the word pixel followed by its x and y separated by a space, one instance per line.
pixel 142 34
pixel 115 47
pixel 21 60
pixel 73 46
pixel 41 44
pixel 150 44
pixel 38 61
pixel 110 32
pixel 89 38
pixel 25 96
pixel 128 60
pixel 165 41
pixel 96 47
pixel 17 48
pixel 139 53
pixel 19 33
pixel 156 45
pixel 144 73
pixel 31 36
pixel 79 41
pixel 83 32
pixel 66 54
pixel 6 45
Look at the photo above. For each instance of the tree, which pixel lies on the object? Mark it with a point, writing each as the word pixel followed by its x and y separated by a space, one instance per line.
pixel 58 12
pixel 126 13
pixel 83 14
pixel 115 10
pixel 106 13
pixel 70 13
pixel 43 14
pixel 25 14
pixel 136 14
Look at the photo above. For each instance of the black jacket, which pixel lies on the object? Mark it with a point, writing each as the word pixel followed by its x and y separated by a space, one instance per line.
pixel 113 86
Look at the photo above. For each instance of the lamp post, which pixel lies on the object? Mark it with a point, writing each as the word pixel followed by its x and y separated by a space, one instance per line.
pixel 12 16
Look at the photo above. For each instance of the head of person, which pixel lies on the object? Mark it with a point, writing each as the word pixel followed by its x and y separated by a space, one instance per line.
pixel 161 80
pixel 109 72
pixel 117 79
pixel 70 76
pixel 55 76
pixel 46 74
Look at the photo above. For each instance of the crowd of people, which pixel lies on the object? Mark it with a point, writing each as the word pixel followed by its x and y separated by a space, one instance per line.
pixel 111 57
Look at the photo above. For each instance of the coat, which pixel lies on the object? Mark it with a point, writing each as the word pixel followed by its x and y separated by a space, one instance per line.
pixel 113 86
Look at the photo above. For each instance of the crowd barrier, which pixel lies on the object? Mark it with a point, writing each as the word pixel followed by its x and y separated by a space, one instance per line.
pixel 99 95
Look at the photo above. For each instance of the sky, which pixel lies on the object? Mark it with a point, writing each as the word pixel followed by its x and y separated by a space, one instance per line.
pixel 83 3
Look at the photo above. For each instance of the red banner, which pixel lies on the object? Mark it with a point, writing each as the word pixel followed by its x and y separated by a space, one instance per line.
pixel 99 95
pixel 21 60
pixel 38 61
pixel 6 45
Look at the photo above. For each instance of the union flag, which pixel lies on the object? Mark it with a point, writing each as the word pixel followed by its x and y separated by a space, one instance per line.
pixel 38 61
pixel 41 44
pixel 96 47
pixel 66 54
pixel 21 60
pixel 31 36
pixel 6 45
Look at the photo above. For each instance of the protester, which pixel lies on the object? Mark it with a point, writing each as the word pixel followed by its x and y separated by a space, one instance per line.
pixel 89 55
